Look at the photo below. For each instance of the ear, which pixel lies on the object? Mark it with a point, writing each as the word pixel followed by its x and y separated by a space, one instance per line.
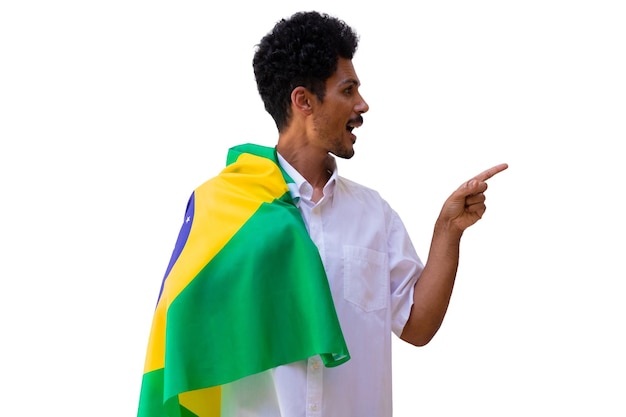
pixel 301 100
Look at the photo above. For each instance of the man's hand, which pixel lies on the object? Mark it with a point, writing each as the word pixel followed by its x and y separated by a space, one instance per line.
pixel 433 290
pixel 467 204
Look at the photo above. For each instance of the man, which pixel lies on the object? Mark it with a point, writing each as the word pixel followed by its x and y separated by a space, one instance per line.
pixel 368 268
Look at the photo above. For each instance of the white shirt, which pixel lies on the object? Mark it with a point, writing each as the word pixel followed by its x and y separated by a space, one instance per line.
pixel 371 267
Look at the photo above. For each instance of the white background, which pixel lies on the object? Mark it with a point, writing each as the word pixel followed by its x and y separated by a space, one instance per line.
pixel 112 112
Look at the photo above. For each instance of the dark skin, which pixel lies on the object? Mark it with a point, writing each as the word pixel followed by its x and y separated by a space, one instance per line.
pixel 319 128
pixel 433 290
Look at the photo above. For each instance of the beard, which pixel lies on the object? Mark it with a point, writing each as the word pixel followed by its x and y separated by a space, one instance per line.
pixel 340 150
pixel 336 144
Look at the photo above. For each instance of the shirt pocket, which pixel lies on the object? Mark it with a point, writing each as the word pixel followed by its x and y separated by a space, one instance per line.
pixel 365 282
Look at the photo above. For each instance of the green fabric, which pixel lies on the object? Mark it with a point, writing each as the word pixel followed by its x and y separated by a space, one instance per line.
pixel 262 301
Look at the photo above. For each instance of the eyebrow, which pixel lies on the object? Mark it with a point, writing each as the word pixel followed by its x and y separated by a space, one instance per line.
pixel 352 81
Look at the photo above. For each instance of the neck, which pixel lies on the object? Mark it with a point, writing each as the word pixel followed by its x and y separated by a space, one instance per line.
pixel 315 165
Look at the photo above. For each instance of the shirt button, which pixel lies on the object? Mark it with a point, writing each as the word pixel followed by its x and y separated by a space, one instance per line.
pixel 313 407
pixel 316 365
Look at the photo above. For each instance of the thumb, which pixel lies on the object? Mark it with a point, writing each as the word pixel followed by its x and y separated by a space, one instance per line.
pixel 474 186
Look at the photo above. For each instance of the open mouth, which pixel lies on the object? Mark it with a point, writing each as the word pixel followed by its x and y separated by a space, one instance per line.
pixel 354 123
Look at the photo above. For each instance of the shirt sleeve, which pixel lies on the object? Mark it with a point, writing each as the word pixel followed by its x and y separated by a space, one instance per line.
pixel 405 268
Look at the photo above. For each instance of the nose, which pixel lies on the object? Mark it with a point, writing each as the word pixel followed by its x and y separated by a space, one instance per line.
pixel 362 106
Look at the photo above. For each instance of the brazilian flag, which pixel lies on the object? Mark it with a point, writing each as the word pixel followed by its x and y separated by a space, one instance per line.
pixel 245 291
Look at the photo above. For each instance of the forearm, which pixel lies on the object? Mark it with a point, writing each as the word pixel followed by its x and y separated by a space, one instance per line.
pixel 434 287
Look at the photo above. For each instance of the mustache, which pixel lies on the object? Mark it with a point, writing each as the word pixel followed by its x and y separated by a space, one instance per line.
pixel 358 119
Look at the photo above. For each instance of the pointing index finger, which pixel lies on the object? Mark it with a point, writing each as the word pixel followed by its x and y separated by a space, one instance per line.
pixel 485 175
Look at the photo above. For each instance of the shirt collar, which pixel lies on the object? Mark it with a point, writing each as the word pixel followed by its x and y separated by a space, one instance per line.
pixel 301 188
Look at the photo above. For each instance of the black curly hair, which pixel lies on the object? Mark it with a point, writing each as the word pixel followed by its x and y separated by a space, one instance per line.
pixel 302 50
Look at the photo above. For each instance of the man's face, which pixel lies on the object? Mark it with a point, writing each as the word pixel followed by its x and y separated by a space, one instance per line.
pixel 340 111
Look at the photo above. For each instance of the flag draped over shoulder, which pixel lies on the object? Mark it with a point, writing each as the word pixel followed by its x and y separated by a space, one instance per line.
pixel 245 291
